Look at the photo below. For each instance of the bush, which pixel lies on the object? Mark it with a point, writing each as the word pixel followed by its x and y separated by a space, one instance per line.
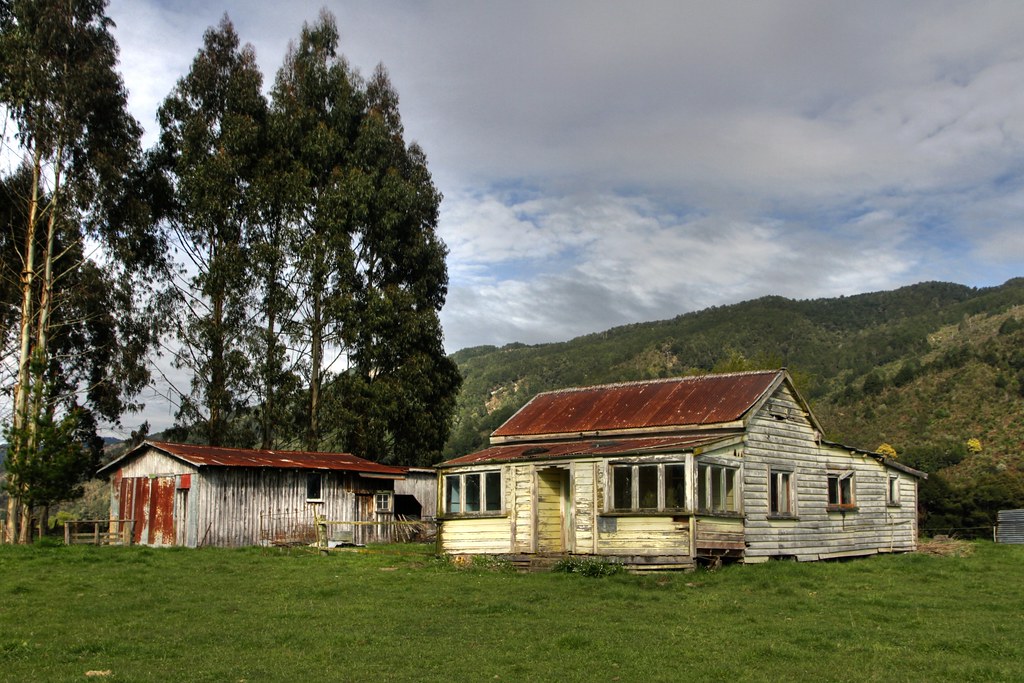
pixel 588 566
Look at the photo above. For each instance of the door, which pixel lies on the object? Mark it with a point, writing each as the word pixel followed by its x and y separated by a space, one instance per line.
pixel 150 502
pixel 552 509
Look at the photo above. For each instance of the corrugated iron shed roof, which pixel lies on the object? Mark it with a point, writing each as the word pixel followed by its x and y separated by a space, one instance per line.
pixel 683 401
pixel 585 447
pixel 203 456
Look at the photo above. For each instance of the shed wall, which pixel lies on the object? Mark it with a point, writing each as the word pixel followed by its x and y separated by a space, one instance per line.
pixel 246 506
pixel 422 485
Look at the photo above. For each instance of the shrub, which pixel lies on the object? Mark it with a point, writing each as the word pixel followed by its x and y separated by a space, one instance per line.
pixel 887 450
pixel 588 566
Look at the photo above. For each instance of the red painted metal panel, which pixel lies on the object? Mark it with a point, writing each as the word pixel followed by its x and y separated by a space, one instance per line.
pixel 184 481
pixel 140 508
pixel 161 511
pixel 125 497
pixel 686 401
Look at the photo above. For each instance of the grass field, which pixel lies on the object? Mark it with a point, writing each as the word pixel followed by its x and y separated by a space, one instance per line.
pixel 398 614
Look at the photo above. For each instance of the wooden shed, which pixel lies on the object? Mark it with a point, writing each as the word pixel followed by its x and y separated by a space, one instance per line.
pixel 664 473
pixel 189 495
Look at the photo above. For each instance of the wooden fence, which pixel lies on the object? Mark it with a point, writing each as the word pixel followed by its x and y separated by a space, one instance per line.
pixel 99 531
pixel 332 534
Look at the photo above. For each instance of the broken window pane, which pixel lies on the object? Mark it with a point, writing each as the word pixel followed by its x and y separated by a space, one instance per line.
pixel 314 486
pixel 472 497
pixel 622 487
pixel 647 487
pixel 492 493
pixel 675 486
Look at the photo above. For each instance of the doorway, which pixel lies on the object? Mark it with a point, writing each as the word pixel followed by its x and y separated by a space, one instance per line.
pixel 553 507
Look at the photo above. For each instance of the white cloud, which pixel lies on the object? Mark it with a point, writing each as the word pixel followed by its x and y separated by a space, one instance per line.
pixel 606 162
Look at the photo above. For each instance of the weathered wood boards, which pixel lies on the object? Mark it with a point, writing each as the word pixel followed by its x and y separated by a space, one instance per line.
pixel 758 485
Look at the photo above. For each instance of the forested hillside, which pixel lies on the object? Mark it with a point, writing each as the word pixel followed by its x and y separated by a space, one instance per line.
pixel 934 369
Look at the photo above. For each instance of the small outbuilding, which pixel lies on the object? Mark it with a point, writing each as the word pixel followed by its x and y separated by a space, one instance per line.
pixel 661 474
pixel 191 495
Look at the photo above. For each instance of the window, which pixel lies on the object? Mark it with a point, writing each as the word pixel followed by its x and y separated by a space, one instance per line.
pixel 643 487
pixel 382 501
pixel 716 488
pixel 472 493
pixel 840 491
pixel 892 492
pixel 780 492
pixel 314 487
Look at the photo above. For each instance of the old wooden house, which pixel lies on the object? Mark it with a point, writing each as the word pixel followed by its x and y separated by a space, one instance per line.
pixel 188 495
pixel 665 473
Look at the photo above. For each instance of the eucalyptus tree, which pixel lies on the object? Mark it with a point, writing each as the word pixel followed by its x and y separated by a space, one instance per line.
pixel 79 230
pixel 372 267
pixel 211 150
pixel 403 385
pixel 317 104
pixel 275 376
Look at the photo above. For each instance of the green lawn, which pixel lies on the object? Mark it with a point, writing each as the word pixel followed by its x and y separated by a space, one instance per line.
pixel 397 614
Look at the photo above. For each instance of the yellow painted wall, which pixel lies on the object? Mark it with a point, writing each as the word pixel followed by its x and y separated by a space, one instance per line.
pixel 646 536
pixel 483 535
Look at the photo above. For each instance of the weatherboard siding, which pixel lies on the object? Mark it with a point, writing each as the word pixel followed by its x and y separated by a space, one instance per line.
pixel 781 436
pixel 777 433
pixel 249 506
pixel 484 535
pixel 651 536
pixel 153 463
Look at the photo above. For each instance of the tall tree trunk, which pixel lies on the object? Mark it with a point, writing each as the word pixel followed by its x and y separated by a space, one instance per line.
pixel 216 389
pixel 25 526
pixel 316 359
pixel 269 405
pixel 18 448
pixel 44 520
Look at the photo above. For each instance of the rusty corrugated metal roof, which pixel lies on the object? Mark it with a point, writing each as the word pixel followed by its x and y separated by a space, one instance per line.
pixel 202 456
pixel 683 401
pixel 585 447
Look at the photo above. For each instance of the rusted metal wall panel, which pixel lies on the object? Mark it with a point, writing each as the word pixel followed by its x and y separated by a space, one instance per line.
pixel 161 511
pixel 150 502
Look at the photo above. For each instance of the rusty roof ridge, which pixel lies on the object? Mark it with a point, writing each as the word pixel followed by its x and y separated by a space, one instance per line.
pixel 170 445
pixel 661 380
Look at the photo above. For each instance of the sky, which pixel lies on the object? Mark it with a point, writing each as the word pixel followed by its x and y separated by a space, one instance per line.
pixel 605 163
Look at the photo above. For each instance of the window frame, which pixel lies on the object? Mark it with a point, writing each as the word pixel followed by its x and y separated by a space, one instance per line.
pixel 845 480
pixel 781 479
pixel 892 490
pixel 636 471
pixel 712 488
pixel 389 502
pixel 318 477
pixel 484 503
